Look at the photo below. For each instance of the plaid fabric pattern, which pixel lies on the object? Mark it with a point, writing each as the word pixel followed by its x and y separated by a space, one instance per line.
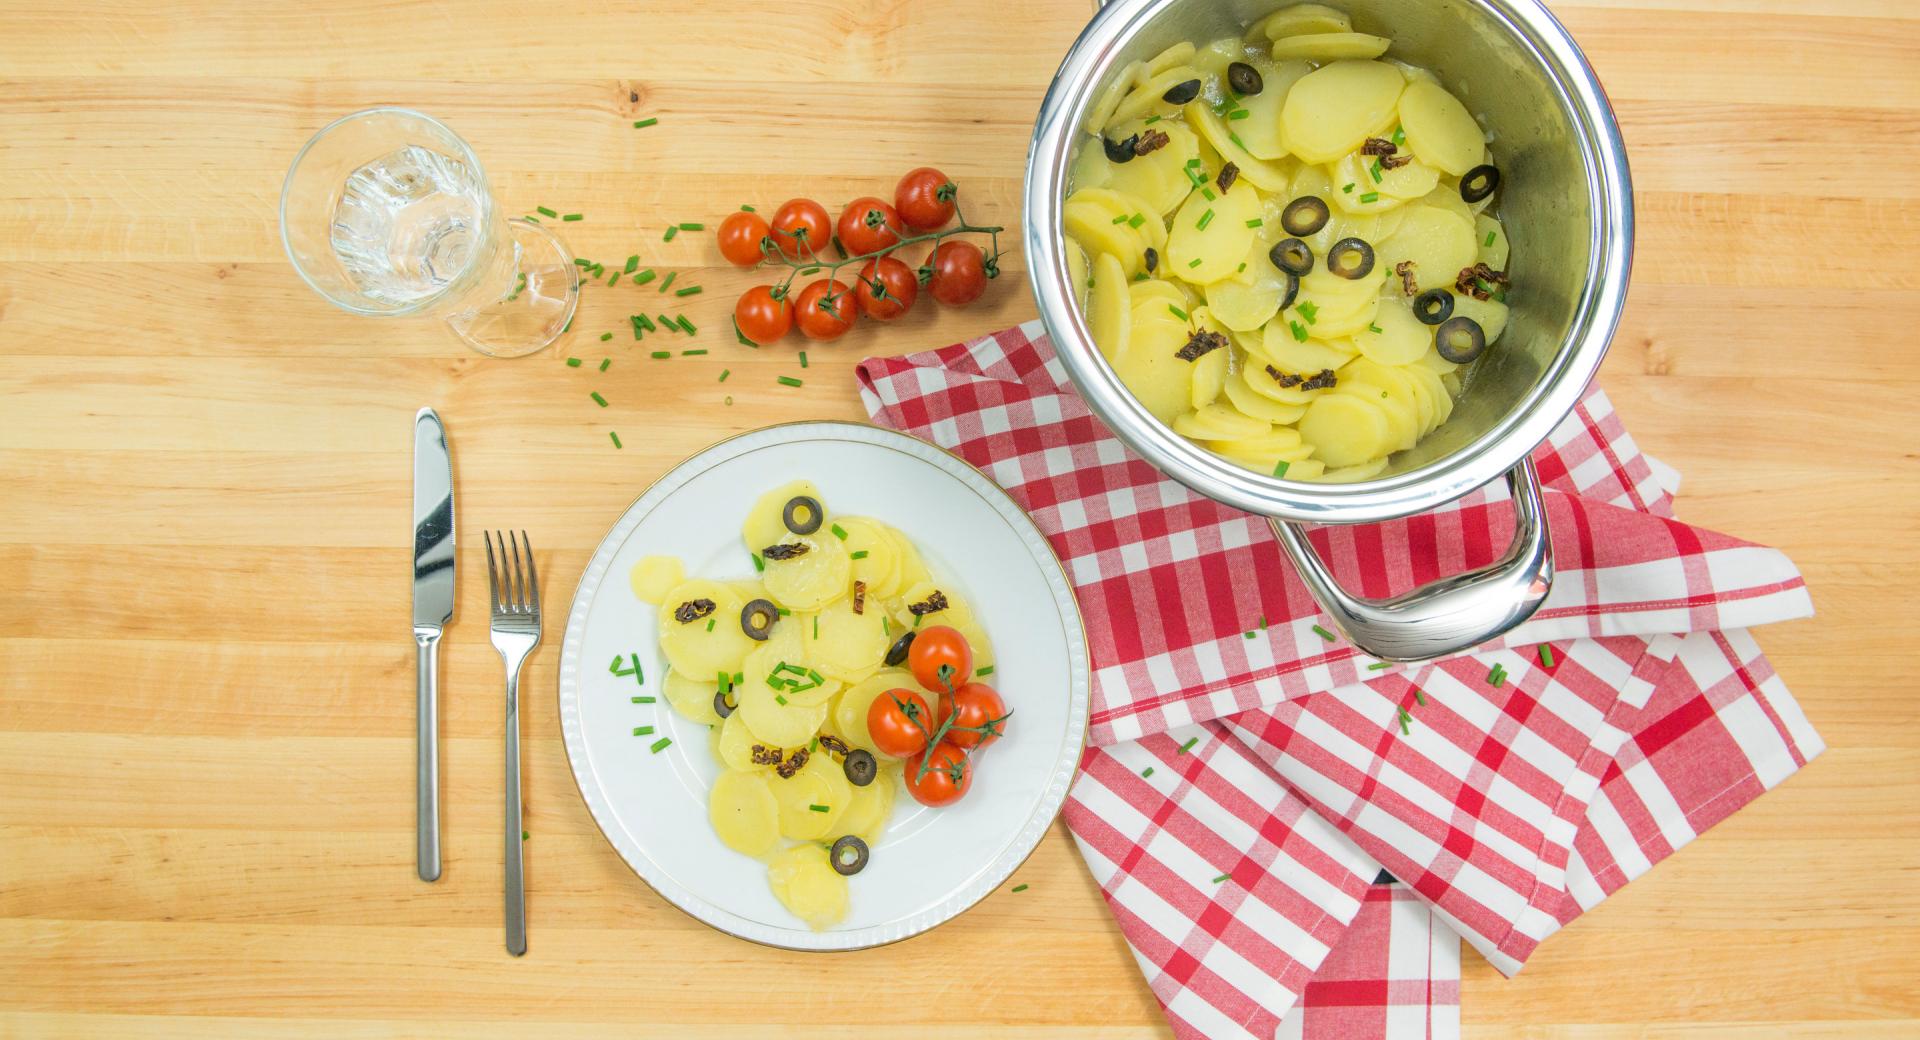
pixel 1249 777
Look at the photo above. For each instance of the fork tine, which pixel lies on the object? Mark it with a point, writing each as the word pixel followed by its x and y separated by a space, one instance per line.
pixel 493 576
pixel 533 576
pixel 519 576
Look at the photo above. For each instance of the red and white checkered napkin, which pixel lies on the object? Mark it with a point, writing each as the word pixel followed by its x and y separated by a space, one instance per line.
pixel 1249 778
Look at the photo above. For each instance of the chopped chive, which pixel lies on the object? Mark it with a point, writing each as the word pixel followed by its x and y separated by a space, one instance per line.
pixel 692 226
pixel 1497 677
pixel 687 323
pixel 671 275
pixel 1205 219
pixel 671 231
pixel 710 622
pixel 1242 268
pixel 758 563
pixel 1377 665
pixel 660 355
pixel 1136 220
pixel 857 554
pixel 661 745
pixel 605 363
pixel 988 670
pixel 1239 113
pixel 1375 171
pixel 1248 635
pixel 644 277
pixel 784 612
pixel 642 124
pixel 1420 695
pixel 1370 197
pixel 525 835
pixel 1188 746
pixel 1237 143
pixel 1546 655
pixel 1308 310
pixel 1347 188
pixel 1138 276
pixel 642 700
pixel 1375 329
pixel 1023 888
pixel 1399 135
pixel 573 362
pixel 1263 622
pixel 545 212
pixel 616 439
pixel 781 699
pixel 691 290
pixel 574 216
pixel 1299 331
pixel 1208 192
pixel 1323 633
pixel 1151 120
pixel 1121 219
pixel 644 322
pixel 633 263
pixel 1280 468
pixel 788 381
pixel 724 373
pixel 839 532
pixel 643 731
pixel 668 322
pixel 744 208
pixel 693 353
pixel 1177 312
pixel 1255 222
pixel 1221 878
pixel 578 262
pixel 597 399
pixel 1489 240
pixel 1405 730
pixel 1195 262
pixel 816 626
pixel 605 336
pixel 615 666
pixel 1195 161
pixel 803 359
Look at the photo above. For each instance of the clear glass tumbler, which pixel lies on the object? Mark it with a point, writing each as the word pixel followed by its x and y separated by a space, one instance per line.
pixel 387 213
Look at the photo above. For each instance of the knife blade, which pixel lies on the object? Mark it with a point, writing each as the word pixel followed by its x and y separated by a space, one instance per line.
pixel 433 594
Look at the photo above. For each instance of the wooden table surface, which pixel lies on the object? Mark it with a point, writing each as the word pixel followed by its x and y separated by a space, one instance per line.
pixel 206 709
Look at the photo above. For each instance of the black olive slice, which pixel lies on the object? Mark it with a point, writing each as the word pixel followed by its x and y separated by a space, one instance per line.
pixel 860 767
pixel 1305 215
pixel 1119 151
pixel 1293 287
pixel 1479 182
pixel 1350 258
pixel 1292 256
pixel 802 514
pixel 757 618
pixel 1433 306
pixel 897 653
pixel 721 705
pixel 1181 93
pixel 1460 340
pixel 848 855
pixel 1244 79
pixel 1151 260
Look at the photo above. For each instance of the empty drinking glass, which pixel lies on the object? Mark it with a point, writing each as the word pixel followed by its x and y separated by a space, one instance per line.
pixel 387 212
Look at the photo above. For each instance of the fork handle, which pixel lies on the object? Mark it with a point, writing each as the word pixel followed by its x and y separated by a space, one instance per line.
pixel 427 754
pixel 516 880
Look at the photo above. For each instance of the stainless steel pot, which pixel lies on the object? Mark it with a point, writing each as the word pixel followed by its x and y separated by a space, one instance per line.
pixel 1568 199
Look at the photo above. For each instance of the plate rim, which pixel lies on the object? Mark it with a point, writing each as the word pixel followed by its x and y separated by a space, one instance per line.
pixel 1025 842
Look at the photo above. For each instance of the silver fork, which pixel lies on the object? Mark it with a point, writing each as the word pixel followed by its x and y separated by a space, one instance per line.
pixel 514 592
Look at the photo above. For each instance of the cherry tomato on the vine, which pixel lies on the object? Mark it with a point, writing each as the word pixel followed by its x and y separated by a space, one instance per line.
pixel 820 318
pixel 760 317
pixel 740 237
pixel 949 774
pixel 959 273
pixel 897 288
pixel 979 715
pixel 939 647
pixel 802 229
pixel 924 198
pixel 868 225
pixel 899 722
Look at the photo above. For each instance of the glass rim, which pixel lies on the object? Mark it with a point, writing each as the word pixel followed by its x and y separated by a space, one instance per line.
pixel 458 283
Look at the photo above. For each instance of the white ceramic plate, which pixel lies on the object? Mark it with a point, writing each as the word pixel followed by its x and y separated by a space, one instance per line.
pixel 932 863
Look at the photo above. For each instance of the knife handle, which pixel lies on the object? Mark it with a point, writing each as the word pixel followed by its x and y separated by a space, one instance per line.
pixel 427 753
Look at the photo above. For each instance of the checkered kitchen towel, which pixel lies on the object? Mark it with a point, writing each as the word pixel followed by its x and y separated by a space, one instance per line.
pixel 1249 778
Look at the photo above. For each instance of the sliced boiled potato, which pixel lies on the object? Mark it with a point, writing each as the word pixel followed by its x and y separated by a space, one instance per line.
pixel 1218 423
pixel 1250 401
pixel 1260 130
pixel 880 567
pixel 913 570
pixel 1151 370
pixel 1492 239
pixel 850 711
pixel 1135 212
pixel 1388 189
pixel 1101 113
pixel 1179 54
pixel 1148 297
pixel 1447 196
pixel 1210 237
pixel 1330 46
pixel 1212 59
pixel 1301 357
pixel 846 645
pixel 808 886
pixel 1090 169
pixel 797 795
pixel 1491 314
pixel 869 807
pixel 655 576
pixel 1147 98
pixel 735 746
pixel 1093 227
pixel 1401 427
pixel 954 613
pixel 764 524
pixel 785 666
pixel 1438 241
pixel 1412 72
pixel 1109 309
pixel 1344 430
pixel 1159 177
pixel 1079 273
pixel 1305 469
pixel 1439 128
pixel 1334 108
pixel 977 640
pixel 744 813
pixel 1268 176
pixel 1248 298
pixel 694 647
pixel 1300 19
pixel 773 719
pixel 813 579
pixel 1436 390
pixel 692 697
pixel 1209 377
pixel 1352 474
pixel 1396 337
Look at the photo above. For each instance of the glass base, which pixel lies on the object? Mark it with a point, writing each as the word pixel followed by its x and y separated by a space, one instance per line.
pixel 536 309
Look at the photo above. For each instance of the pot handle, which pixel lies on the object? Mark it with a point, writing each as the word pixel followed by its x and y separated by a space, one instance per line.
pixel 1448 615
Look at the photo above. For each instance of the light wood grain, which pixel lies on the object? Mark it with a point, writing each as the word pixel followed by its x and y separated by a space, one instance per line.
pixel 205 713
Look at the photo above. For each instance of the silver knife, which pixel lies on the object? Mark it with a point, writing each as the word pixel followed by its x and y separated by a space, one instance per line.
pixel 433 573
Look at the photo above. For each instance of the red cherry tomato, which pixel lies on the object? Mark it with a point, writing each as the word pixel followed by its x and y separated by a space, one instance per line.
pixel 899 283
pixel 938 647
pixel 924 198
pixel 899 722
pixel 868 225
pixel 801 228
pixel 949 774
pixel 762 318
pixel 979 715
pixel 959 273
pixel 740 237
pixel 820 319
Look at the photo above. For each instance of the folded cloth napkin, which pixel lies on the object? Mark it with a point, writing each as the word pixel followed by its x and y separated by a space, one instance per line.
pixel 1248 776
